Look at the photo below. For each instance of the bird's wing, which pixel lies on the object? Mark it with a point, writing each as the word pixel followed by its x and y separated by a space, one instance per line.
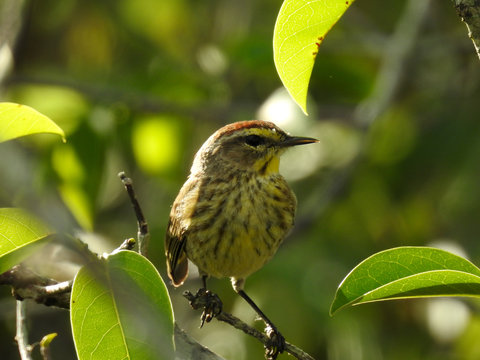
pixel 177 262
pixel 177 230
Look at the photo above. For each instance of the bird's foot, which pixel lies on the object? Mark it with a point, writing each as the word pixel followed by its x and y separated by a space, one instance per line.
pixel 213 305
pixel 209 301
pixel 275 344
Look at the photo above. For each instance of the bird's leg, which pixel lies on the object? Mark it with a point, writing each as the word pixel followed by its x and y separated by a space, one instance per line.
pixel 277 341
pixel 212 305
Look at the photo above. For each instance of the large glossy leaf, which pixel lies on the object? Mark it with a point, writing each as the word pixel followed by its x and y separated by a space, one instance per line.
pixel 19 120
pixel 20 235
pixel 407 272
pixel 300 28
pixel 120 309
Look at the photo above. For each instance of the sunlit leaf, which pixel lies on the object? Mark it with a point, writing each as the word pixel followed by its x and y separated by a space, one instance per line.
pixel 63 103
pixel 300 29
pixel 121 307
pixel 408 272
pixel 20 120
pixel 20 235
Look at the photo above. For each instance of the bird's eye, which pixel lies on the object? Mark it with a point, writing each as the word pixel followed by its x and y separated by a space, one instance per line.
pixel 254 140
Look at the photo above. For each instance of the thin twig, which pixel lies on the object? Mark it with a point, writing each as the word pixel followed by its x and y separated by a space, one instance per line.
pixel 22 334
pixel 469 12
pixel 128 244
pixel 26 284
pixel 142 235
pixel 198 302
pixel 63 287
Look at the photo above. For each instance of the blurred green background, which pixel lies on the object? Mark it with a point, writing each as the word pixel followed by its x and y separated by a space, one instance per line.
pixel 138 85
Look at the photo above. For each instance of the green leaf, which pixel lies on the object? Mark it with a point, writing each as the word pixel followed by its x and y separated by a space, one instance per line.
pixel 407 272
pixel 299 30
pixel 20 120
pixel 120 307
pixel 20 235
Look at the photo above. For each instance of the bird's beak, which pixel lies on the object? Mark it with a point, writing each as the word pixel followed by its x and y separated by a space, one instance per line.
pixel 297 140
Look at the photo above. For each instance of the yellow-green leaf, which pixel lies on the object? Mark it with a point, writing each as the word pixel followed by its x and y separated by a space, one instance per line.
pixel 120 309
pixel 407 272
pixel 19 232
pixel 300 29
pixel 18 120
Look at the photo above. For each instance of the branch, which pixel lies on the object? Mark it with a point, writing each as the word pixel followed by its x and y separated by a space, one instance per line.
pixel 26 284
pixel 199 302
pixel 22 335
pixel 469 12
pixel 143 236
pixel 128 244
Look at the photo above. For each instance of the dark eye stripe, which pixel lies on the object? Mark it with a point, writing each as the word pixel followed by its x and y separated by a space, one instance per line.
pixel 254 140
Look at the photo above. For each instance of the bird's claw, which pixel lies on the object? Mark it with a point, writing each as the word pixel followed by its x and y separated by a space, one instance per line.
pixel 211 303
pixel 275 344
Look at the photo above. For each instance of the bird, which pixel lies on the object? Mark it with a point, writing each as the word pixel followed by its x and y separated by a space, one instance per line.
pixel 234 210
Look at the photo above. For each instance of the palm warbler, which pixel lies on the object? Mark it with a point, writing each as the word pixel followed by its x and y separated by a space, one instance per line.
pixel 234 210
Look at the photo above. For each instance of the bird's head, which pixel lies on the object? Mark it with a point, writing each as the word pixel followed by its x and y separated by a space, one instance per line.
pixel 253 146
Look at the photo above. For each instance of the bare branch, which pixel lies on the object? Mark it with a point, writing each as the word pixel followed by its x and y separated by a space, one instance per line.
pixel 469 12
pixel 143 235
pixel 22 335
pixel 26 284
